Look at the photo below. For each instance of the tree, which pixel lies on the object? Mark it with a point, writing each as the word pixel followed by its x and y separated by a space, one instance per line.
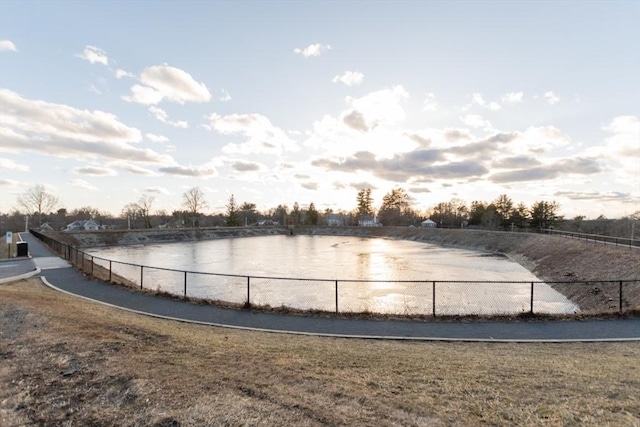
pixel 520 215
pixel 296 214
pixel 365 202
pixel 476 212
pixel 394 205
pixel 249 213
pixel 193 201
pixel 144 204
pixel 312 214
pixel 232 218
pixel 504 209
pixel 37 200
pixel 543 214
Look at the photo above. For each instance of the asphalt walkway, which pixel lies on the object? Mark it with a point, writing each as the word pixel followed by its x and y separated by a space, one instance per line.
pixel 58 274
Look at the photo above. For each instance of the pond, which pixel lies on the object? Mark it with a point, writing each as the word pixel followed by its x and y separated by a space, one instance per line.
pixel 372 274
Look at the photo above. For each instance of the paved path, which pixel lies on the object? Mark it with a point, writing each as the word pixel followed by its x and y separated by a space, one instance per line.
pixel 58 275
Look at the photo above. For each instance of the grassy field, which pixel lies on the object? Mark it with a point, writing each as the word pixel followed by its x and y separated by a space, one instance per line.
pixel 66 361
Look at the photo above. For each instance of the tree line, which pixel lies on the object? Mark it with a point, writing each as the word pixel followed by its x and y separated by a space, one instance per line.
pixel 395 209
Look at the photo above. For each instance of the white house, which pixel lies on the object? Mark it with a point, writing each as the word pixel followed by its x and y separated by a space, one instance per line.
pixel 82 226
pixel 428 223
pixel 335 220
pixel 367 221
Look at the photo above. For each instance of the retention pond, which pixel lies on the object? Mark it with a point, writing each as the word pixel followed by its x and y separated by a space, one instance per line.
pixel 330 273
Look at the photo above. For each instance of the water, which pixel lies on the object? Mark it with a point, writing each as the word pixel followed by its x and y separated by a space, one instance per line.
pixel 323 260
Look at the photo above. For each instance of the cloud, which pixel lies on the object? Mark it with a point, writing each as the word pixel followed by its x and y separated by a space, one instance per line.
pixel 430 103
pixel 120 73
pixel 312 50
pixel 163 82
pixel 611 196
pixel 310 185
pixel 225 96
pixel 134 169
pixel 476 121
pixel 94 171
pixel 162 115
pixel 515 162
pixel 625 137
pixel 262 136
pixel 245 166
pixel 188 171
pixel 419 190
pixel 551 98
pixel 355 120
pixel 7 45
pixel 156 138
pixel 94 55
pixel 349 78
pixel 578 166
pixel 156 190
pixel 10 183
pixel 80 183
pixel 512 97
pixel 8 164
pixel 477 99
pixel 63 131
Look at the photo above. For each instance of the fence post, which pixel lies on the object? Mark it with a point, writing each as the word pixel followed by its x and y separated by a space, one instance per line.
pixel 109 270
pixel 248 291
pixel 620 296
pixel 91 265
pixel 82 263
pixel 531 297
pixel 141 275
pixel 433 298
pixel 336 297
pixel 185 284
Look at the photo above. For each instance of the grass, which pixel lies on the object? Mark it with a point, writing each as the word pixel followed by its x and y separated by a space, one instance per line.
pixel 66 361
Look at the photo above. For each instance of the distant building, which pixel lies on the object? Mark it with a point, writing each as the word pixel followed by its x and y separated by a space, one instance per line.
pixel 335 220
pixel 428 224
pixel 367 221
pixel 46 227
pixel 83 226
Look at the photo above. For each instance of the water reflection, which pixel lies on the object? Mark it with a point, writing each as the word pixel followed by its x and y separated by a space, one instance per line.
pixel 331 258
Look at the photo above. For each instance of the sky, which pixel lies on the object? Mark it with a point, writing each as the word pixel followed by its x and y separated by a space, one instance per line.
pixel 308 102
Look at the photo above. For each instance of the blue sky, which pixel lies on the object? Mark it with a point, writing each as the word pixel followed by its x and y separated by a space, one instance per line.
pixel 278 102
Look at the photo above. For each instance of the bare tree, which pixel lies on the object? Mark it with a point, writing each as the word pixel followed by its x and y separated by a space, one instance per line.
pixel 144 203
pixel 193 201
pixel 37 200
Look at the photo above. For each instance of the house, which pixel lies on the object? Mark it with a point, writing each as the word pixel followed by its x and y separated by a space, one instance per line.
pixel 428 224
pixel 83 226
pixel 46 227
pixel 367 221
pixel 335 220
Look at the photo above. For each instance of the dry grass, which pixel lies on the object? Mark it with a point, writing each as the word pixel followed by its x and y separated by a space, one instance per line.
pixel 65 361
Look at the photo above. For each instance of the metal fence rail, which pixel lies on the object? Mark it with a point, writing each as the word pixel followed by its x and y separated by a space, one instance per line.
pixel 595 238
pixel 405 297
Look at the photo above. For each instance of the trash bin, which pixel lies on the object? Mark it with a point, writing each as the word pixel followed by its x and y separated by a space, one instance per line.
pixel 22 249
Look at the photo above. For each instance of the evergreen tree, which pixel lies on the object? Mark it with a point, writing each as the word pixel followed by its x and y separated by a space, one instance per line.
pixel 365 202
pixel 232 218
pixel 312 215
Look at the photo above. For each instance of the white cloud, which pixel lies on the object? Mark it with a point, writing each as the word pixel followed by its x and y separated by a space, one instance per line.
pixel 94 55
pixel 63 131
pixel 477 98
pixel 189 171
pixel 315 49
pixel 429 103
pixel 133 168
pixel 225 96
pixel 263 136
pixel 380 107
pixel 163 82
pixel 8 164
pixel 120 73
pixel 80 183
pixel 512 97
pixel 162 115
pixel 156 138
pixel 349 78
pixel 476 121
pixel 551 98
pixel 10 183
pixel 7 45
